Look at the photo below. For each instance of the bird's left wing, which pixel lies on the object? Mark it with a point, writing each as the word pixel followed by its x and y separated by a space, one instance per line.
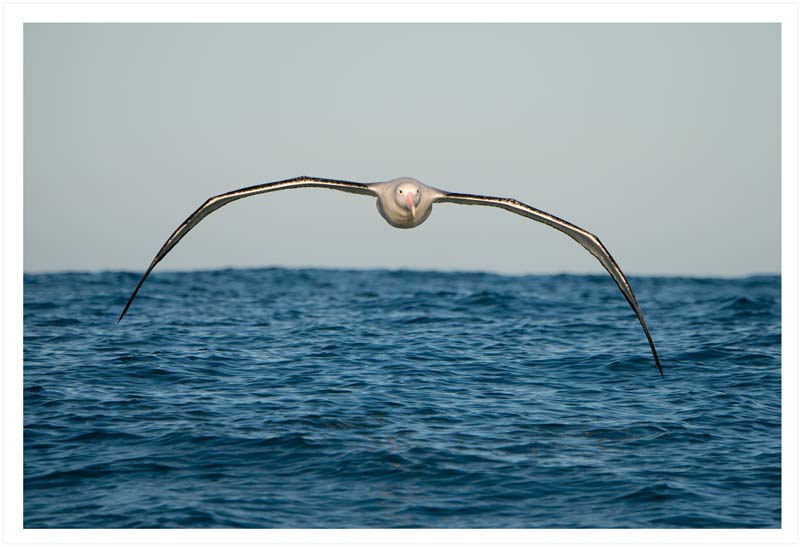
pixel 214 203
pixel 588 240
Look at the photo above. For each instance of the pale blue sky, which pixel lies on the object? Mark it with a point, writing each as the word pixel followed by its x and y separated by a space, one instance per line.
pixel 662 139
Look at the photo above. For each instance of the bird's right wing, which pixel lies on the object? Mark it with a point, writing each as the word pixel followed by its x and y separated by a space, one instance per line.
pixel 214 203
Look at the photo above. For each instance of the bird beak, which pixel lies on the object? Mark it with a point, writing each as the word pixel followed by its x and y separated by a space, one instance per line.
pixel 411 204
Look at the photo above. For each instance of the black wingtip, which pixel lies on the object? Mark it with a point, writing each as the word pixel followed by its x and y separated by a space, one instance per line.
pixel 656 359
pixel 133 295
pixel 123 313
pixel 130 301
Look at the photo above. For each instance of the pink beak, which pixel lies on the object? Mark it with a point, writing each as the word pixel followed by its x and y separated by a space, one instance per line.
pixel 411 204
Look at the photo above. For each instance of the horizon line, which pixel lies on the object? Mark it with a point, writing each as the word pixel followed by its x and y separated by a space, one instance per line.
pixel 394 269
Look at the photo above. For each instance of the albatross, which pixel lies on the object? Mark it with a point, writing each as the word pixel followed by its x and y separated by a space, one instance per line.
pixel 406 203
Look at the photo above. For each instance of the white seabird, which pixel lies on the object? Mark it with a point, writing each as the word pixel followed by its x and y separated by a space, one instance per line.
pixel 405 203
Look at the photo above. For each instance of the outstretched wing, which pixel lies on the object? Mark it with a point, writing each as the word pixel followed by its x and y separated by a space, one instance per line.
pixel 214 203
pixel 589 241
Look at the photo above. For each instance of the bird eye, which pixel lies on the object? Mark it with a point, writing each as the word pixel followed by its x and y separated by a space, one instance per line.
pixel 401 191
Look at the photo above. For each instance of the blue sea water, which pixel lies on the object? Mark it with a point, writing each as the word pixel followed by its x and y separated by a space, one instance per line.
pixel 279 398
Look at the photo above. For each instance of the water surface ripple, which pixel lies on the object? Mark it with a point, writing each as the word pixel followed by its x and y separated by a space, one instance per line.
pixel 325 398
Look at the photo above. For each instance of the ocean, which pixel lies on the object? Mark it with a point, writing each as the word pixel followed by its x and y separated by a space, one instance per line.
pixel 311 398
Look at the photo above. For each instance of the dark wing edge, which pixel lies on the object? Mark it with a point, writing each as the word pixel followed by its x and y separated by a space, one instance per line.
pixel 589 241
pixel 215 202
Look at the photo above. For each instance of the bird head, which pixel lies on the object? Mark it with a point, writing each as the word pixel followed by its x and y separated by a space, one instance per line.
pixel 407 196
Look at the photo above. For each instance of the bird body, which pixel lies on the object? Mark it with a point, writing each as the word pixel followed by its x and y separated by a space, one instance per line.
pixel 406 203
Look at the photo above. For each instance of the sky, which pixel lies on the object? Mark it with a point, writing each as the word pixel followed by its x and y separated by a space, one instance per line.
pixel 661 139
